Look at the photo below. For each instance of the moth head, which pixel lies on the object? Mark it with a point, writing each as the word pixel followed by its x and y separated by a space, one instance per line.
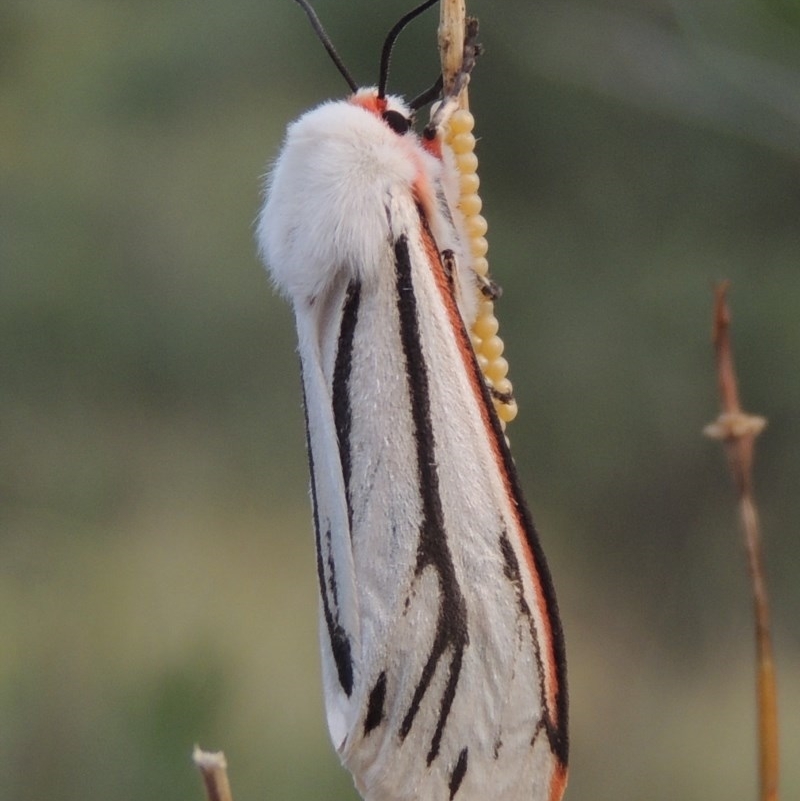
pixel 392 110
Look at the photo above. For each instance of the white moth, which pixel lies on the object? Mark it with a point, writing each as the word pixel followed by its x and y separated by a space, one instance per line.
pixel 442 653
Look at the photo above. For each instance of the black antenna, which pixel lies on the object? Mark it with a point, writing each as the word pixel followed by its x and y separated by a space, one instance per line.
pixel 327 44
pixel 386 55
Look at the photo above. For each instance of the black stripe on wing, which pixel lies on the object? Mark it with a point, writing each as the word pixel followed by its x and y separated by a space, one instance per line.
pixel 555 720
pixel 451 636
pixel 511 570
pixel 337 635
pixel 342 408
pixel 377 699
pixel 459 771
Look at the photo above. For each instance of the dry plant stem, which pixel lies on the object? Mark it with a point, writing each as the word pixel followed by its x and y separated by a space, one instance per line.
pixel 214 770
pixel 452 21
pixel 738 432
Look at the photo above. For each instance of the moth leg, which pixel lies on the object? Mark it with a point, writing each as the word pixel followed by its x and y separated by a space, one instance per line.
pixel 449 265
pixel 428 96
pixel 490 289
pixel 503 397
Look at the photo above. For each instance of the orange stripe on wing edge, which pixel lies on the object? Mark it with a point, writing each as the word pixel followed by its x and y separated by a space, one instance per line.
pixel 558 782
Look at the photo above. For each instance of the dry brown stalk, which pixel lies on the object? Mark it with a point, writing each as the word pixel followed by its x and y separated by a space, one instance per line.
pixel 452 19
pixel 214 770
pixel 738 431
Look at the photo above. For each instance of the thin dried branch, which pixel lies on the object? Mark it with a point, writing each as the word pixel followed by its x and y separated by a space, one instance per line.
pixel 452 23
pixel 214 770
pixel 738 431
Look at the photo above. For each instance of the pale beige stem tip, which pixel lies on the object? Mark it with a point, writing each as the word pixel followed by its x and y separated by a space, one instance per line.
pixel 214 770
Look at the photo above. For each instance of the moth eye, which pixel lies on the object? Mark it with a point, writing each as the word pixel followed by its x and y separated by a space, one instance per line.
pixel 397 122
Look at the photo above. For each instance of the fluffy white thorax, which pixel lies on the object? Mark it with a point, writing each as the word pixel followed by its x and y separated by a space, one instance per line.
pixel 328 193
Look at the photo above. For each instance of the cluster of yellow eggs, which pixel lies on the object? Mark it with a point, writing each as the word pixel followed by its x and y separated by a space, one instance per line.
pixel 488 345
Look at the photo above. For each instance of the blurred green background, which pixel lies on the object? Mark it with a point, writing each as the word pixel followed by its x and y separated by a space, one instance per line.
pixel 157 584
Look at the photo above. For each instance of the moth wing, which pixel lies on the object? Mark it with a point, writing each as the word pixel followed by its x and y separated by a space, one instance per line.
pixel 459 663
pixel 324 226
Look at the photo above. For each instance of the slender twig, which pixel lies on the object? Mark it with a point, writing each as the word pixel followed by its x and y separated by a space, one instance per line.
pixel 738 432
pixel 214 770
pixel 452 22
